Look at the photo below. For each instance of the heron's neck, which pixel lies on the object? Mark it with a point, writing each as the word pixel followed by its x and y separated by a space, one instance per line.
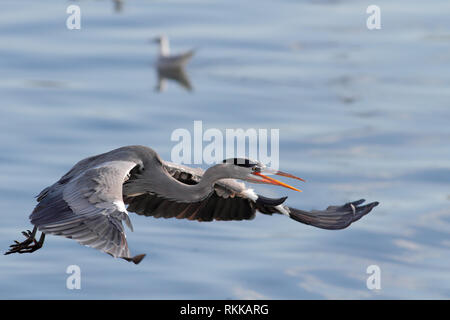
pixel 201 190
pixel 212 175
pixel 165 186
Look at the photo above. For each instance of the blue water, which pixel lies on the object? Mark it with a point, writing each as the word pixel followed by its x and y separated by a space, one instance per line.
pixel 361 114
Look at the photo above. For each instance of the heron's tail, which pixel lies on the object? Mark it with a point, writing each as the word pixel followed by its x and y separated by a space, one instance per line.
pixel 334 217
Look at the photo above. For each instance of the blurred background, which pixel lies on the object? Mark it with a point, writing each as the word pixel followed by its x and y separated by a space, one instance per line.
pixel 361 113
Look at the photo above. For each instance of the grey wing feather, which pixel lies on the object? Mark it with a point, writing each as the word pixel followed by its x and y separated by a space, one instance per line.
pixel 100 232
pixel 88 207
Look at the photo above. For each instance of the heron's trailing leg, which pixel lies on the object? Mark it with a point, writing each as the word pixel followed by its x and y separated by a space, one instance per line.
pixel 29 245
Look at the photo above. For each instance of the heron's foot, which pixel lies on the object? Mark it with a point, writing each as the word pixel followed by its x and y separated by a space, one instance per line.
pixel 30 244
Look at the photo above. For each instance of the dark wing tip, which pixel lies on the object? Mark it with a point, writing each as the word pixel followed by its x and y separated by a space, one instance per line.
pixel 361 211
pixel 361 201
pixel 358 202
pixel 136 259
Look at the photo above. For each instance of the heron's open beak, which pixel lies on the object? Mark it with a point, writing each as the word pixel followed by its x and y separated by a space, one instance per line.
pixel 273 181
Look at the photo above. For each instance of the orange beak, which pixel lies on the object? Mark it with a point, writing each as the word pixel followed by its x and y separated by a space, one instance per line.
pixel 273 181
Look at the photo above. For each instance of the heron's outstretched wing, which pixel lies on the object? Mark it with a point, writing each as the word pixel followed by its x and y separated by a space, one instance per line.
pixel 88 207
pixel 231 200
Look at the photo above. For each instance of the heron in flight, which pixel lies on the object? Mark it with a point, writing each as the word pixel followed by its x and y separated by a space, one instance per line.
pixel 88 204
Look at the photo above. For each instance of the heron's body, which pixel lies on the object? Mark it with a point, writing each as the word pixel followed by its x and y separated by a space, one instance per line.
pixel 88 204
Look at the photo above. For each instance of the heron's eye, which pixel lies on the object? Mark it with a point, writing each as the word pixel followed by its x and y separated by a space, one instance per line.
pixel 256 169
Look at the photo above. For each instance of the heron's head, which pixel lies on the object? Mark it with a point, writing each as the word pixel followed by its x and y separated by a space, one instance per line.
pixel 256 172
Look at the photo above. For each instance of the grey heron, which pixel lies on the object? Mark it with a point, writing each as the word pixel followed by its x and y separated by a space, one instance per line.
pixel 88 204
